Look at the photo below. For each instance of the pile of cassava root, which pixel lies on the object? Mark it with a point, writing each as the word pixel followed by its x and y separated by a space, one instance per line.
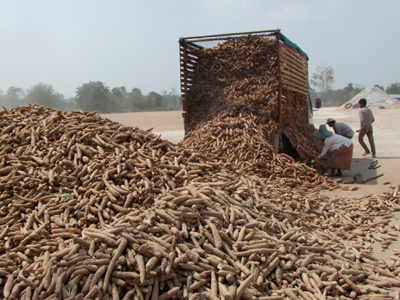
pixel 237 142
pixel 90 209
pixel 239 78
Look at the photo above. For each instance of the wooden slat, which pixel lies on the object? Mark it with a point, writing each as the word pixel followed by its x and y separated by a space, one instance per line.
pixel 294 87
pixel 293 72
pixel 293 53
pixel 188 63
pixel 294 84
pixel 294 65
pixel 292 56
pixel 295 69
pixel 288 73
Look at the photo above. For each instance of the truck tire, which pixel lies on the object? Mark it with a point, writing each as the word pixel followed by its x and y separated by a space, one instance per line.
pixel 348 105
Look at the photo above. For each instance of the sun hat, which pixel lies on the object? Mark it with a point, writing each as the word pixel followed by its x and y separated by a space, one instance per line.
pixel 330 120
pixel 322 132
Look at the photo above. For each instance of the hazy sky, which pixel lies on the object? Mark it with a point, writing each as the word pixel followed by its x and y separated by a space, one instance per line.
pixel 134 43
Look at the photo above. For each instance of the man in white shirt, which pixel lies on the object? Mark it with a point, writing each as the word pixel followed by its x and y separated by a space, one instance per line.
pixel 366 120
pixel 340 128
pixel 339 150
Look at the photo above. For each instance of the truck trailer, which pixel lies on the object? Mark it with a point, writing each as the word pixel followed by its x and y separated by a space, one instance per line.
pixel 260 70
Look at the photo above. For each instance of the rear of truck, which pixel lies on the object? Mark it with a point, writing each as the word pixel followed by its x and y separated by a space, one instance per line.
pixel 262 72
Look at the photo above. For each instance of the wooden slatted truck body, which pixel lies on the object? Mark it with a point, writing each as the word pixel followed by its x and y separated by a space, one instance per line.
pixel 287 63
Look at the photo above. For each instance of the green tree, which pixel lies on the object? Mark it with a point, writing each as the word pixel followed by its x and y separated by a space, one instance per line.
pixel 70 104
pixel 323 78
pixel 394 88
pixel 94 96
pixel 45 95
pixel 119 92
pixel 119 97
pixel 135 100
pixel 340 96
pixel 171 100
pixel 12 98
pixel 154 101
pixel 337 97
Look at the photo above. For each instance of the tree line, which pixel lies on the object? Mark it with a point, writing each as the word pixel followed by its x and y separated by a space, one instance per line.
pixel 96 96
pixel 324 77
pixel 92 96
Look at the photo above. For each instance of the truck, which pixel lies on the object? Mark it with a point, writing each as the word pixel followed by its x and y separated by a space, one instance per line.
pixel 263 57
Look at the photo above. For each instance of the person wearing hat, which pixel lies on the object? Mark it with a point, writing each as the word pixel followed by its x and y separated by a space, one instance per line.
pixel 339 150
pixel 340 128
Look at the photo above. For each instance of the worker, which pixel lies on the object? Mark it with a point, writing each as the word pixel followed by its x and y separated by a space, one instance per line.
pixel 337 148
pixel 366 120
pixel 340 128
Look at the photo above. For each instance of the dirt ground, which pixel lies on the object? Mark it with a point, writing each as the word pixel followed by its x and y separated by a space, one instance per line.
pixel 169 125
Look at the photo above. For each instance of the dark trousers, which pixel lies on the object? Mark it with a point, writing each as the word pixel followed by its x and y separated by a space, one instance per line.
pixel 369 132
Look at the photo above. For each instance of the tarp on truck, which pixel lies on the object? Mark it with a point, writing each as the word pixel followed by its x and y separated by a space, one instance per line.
pixel 289 43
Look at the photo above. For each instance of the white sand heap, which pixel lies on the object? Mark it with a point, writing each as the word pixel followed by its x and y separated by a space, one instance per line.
pixel 375 98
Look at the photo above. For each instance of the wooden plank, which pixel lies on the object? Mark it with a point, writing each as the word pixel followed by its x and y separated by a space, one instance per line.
pixel 294 69
pixel 293 74
pixel 293 54
pixel 290 76
pixel 189 59
pixel 290 72
pixel 294 85
pixel 295 63
pixel 299 69
pixel 187 70
pixel 190 45
pixel 295 82
pixel 295 89
pixel 294 58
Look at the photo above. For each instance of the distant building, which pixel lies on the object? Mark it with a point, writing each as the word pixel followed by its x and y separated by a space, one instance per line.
pixel 395 96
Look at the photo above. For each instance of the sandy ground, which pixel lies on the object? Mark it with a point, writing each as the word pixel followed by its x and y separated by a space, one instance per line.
pixel 169 125
pixel 387 144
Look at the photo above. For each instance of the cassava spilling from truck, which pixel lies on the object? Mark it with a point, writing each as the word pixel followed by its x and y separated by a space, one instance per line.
pixel 262 74
pixel 91 209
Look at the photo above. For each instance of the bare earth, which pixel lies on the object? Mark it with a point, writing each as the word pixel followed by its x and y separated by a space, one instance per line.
pixel 169 124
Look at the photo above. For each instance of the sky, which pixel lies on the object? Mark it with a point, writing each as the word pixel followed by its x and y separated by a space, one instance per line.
pixel 134 43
